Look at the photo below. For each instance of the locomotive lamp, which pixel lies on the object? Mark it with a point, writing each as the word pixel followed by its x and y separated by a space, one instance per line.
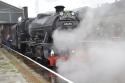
pixel 61 13
pixel 73 13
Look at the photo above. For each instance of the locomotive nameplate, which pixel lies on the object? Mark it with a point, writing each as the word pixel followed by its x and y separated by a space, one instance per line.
pixel 68 24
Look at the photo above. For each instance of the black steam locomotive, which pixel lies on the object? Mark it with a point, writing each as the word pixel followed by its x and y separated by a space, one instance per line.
pixel 33 37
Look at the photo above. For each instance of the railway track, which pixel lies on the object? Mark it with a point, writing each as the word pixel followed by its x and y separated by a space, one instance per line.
pixel 33 71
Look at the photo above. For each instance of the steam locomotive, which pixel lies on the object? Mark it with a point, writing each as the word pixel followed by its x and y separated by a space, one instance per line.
pixel 33 36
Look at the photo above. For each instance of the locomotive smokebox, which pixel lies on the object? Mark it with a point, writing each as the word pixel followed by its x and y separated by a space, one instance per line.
pixel 25 12
pixel 59 9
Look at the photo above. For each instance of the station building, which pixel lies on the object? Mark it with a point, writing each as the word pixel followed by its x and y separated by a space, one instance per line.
pixel 9 15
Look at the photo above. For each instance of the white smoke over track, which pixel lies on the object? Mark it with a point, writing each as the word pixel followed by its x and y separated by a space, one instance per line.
pixel 97 57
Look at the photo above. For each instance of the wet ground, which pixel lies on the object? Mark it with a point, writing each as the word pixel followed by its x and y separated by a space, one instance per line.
pixel 8 72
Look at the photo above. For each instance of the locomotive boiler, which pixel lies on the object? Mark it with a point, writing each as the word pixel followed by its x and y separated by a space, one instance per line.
pixel 33 36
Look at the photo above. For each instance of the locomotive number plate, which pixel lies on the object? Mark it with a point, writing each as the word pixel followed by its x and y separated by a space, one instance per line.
pixel 68 23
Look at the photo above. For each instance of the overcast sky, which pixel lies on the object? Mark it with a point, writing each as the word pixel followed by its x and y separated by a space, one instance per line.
pixel 42 6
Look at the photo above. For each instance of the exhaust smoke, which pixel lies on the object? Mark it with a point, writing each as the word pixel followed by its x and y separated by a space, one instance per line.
pixel 98 49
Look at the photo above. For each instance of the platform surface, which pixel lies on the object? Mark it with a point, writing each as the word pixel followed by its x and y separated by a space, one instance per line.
pixel 8 72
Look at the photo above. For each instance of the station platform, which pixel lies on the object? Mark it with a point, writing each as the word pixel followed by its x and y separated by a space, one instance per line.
pixel 8 72
pixel 21 69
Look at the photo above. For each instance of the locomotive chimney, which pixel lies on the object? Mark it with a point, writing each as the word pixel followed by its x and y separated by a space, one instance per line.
pixel 25 12
pixel 59 9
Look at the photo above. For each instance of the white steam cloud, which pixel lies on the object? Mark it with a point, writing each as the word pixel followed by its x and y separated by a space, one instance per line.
pixel 101 63
pixel 98 45
pixel 64 40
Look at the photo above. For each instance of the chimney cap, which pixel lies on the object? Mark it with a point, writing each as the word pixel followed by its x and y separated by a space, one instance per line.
pixel 59 6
